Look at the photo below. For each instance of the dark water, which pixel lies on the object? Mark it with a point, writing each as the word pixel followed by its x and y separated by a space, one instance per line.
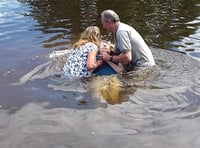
pixel 155 108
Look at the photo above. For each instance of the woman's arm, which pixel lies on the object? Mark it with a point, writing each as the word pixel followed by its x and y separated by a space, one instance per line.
pixel 92 62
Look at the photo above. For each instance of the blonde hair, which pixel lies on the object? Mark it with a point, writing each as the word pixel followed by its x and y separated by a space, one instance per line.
pixel 109 44
pixel 90 34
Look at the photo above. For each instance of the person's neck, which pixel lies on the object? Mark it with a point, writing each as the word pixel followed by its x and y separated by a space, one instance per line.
pixel 116 26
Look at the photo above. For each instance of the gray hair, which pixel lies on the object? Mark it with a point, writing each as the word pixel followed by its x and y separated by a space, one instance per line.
pixel 110 15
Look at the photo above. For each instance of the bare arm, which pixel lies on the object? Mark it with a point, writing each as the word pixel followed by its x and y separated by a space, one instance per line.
pixel 92 63
pixel 123 58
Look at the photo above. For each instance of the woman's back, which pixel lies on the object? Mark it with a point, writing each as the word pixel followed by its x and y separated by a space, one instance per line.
pixel 76 63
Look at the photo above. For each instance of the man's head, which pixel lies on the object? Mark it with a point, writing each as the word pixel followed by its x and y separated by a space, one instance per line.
pixel 109 19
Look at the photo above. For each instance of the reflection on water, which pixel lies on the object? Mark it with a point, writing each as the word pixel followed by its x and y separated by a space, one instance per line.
pixel 190 43
pixel 151 118
pixel 168 25
pixel 109 88
pixel 155 108
pixel 173 70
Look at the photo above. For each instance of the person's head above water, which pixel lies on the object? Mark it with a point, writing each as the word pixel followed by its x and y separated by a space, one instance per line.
pixel 106 46
pixel 110 19
pixel 90 34
pixel 109 16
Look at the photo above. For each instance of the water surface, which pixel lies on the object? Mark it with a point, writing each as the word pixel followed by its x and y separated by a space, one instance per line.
pixel 155 108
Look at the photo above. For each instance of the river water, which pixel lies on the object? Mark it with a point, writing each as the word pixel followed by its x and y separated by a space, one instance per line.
pixel 157 107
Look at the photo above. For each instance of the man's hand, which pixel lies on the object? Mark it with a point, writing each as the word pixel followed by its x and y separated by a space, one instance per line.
pixel 105 56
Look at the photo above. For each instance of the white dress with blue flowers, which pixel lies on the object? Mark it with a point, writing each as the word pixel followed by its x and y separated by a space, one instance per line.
pixel 76 62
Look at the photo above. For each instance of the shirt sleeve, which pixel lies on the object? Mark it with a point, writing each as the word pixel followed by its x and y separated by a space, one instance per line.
pixel 123 41
pixel 92 47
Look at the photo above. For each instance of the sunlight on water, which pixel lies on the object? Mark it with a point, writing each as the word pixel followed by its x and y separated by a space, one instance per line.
pixel 153 108
pixel 190 44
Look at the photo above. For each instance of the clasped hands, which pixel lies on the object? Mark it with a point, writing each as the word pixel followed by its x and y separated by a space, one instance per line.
pixel 105 56
pixel 104 52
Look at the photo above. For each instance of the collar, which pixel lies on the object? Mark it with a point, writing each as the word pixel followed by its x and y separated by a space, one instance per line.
pixel 117 26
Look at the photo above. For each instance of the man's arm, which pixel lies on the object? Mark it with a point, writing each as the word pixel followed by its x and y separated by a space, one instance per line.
pixel 123 58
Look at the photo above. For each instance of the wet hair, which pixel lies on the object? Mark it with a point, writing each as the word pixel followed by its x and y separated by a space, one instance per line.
pixel 107 43
pixel 110 15
pixel 90 34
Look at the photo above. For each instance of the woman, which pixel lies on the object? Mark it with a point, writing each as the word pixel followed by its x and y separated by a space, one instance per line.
pixel 82 61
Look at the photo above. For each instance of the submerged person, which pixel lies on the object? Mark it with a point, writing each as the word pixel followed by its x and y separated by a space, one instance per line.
pixel 130 48
pixel 82 60
pixel 107 68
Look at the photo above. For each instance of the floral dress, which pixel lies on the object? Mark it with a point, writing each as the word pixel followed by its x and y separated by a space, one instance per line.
pixel 76 62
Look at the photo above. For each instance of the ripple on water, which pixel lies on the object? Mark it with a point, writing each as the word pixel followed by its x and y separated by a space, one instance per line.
pixel 171 78
pixel 176 85
pixel 162 105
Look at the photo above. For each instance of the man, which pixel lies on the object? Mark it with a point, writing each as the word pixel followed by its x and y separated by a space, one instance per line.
pixel 130 48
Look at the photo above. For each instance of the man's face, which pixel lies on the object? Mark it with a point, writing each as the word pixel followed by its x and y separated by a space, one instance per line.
pixel 106 25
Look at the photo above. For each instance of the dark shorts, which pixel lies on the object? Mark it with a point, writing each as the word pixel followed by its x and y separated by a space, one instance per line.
pixel 105 69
